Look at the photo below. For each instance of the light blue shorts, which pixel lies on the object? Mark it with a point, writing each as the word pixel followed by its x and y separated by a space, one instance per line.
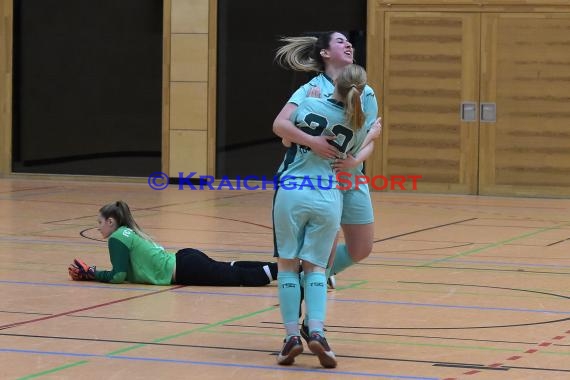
pixel 357 206
pixel 305 224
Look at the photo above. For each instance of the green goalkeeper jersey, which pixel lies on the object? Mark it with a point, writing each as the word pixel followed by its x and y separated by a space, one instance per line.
pixel 137 260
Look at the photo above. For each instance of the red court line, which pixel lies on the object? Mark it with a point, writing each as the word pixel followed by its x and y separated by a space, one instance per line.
pixel 517 357
pixel 10 325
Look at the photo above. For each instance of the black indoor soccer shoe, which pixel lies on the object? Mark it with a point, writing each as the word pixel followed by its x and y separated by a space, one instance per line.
pixel 291 349
pixel 319 346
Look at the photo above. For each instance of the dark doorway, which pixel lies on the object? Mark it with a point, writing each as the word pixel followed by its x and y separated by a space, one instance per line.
pixel 87 87
pixel 252 89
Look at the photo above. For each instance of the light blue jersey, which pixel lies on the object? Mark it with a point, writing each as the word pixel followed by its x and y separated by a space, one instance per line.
pixel 306 217
pixel 326 85
pixel 316 117
pixel 357 205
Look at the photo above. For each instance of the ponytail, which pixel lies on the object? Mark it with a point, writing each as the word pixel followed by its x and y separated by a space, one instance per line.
pixel 303 53
pixel 350 85
pixel 353 110
pixel 121 212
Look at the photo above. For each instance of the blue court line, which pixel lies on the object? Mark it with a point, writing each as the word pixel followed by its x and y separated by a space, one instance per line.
pixel 390 303
pixel 499 263
pixel 454 306
pixel 503 263
pixel 215 364
pixel 374 257
pixel 222 294
pixel 225 294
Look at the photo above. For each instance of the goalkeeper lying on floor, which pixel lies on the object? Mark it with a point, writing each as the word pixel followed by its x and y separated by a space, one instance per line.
pixel 137 259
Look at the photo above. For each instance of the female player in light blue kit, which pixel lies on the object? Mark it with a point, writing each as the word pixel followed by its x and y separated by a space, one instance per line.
pixel 327 55
pixel 307 218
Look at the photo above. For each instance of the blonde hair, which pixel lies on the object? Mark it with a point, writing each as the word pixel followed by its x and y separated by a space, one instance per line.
pixel 350 85
pixel 304 53
pixel 121 212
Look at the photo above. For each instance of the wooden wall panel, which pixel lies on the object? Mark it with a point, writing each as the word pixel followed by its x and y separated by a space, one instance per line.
pixel 520 61
pixel 537 5
pixel 374 69
pixel 212 83
pixel 190 83
pixel 528 77
pixel 187 152
pixel 189 16
pixel 165 135
pixel 429 63
pixel 189 58
pixel 6 17
pixel 189 105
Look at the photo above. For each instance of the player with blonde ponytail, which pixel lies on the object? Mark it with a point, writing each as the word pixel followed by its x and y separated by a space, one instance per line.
pixel 306 220
pixel 327 54
pixel 350 84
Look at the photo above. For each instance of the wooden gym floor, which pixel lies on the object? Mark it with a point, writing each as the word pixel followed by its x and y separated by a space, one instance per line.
pixel 457 287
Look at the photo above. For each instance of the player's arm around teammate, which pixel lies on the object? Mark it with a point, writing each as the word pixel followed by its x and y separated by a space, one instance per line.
pixel 327 55
pixel 307 218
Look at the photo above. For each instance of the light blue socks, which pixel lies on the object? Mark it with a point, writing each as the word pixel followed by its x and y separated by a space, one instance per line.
pixel 342 260
pixel 289 292
pixel 316 300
